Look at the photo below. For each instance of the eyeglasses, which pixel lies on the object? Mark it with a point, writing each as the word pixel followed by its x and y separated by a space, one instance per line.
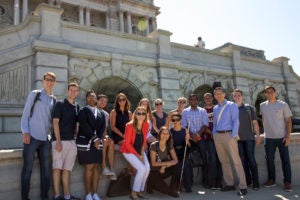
pixel 165 133
pixel 141 113
pixel 182 102
pixel 49 80
pixel 121 99
pixel 158 104
pixel 176 120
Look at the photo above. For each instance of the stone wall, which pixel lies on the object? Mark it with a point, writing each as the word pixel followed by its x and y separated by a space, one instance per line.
pixel 11 164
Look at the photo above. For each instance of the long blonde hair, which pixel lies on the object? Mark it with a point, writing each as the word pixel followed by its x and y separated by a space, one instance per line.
pixel 134 120
pixel 148 109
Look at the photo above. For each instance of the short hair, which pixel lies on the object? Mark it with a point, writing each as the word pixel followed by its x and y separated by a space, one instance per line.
pixel 176 114
pixel 219 89
pixel 207 94
pixel 181 99
pixel 89 92
pixel 51 74
pixel 238 90
pixel 193 95
pixel 100 96
pixel 199 38
pixel 73 84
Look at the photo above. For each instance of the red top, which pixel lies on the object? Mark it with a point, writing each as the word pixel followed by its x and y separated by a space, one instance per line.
pixel 130 132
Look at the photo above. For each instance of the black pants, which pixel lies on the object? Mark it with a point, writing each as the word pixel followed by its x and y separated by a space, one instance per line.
pixel 156 180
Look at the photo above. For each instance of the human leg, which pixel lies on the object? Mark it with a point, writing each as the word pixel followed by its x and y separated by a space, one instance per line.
pixel 270 149
pixel 242 147
pixel 28 160
pixel 285 162
pixel 95 177
pixel 88 178
pixel 250 152
pixel 43 155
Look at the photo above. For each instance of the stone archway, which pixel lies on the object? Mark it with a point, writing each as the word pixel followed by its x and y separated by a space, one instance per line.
pixel 200 91
pixel 111 86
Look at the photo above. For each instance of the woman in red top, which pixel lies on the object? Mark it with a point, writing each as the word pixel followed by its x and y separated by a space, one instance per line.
pixel 133 150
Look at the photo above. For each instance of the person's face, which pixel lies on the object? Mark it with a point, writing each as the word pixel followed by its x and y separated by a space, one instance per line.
pixel 208 100
pixel 49 82
pixel 102 102
pixel 158 104
pixel 219 95
pixel 193 101
pixel 91 100
pixel 176 120
pixel 73 92
pixel 144 104
pixel 237 97
pixel 270 94
pixel 181 103
pixel 140 114
pixel 122 100
pixel 164 135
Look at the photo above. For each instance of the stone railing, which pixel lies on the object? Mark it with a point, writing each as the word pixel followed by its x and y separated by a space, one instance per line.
pixel 11 164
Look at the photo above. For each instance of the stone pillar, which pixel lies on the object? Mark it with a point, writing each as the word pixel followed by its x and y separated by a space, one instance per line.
pixel 153 24
pixel 129 28
pixel 81 15
pixel 16 12
pixel 107 20
pixel 121 21
pixel 88 16
pixel 24 9
pixel 50 28
pixel 147 25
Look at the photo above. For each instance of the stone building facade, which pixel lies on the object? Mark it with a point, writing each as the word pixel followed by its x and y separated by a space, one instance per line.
pixel 114 46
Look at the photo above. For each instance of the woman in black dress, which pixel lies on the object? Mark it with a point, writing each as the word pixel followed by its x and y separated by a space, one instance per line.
pixel 91 129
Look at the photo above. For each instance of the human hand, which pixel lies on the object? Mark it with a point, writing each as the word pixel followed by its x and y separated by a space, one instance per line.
pixel 286 141
pixel 26 138
pixel 58 146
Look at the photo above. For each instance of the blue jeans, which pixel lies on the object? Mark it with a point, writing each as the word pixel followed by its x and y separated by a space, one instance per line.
pixel 214 169
pixel 247 154
pixel 270 148
pixel 43 149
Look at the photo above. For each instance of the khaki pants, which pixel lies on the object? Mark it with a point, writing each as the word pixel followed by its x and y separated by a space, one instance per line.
pixel 227 149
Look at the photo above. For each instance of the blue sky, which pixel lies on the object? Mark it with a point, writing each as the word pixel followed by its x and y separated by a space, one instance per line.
pixel 269 25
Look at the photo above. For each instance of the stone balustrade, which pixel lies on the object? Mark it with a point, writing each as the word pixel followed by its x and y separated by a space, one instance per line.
pixel 11 164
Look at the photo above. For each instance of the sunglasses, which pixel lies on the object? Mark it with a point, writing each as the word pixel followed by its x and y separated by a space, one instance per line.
pixel 122 99
pixel 176 120
pixel 158 104
pixel 49 80
pixel 182 102
pixel 141 113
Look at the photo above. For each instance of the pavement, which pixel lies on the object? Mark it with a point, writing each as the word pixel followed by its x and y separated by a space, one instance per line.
pixel 199 193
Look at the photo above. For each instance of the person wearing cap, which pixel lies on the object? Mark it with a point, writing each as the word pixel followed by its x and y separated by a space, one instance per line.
pixel 277 123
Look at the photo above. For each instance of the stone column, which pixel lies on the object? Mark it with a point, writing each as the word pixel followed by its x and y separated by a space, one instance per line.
pixel 121 21
pixel 81 15
pixel 153 24
pixel 88 16
pixel 147 25
pixel 107 20
pixel 129 28
pixel 24 9
pixel 16 12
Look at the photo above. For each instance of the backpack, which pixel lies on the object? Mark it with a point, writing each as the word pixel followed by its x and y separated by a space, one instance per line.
pixel 36 98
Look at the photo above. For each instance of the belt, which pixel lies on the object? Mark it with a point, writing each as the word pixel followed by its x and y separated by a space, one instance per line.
pixel 224 131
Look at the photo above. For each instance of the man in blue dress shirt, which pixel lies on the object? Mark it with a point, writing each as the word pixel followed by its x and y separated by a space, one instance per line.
pixel 225 133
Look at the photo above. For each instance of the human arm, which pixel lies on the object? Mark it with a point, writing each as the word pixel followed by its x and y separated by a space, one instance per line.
pixel 58 145
pixel 25 118
pixel 287 138
pixel 256 130
pixel 235 120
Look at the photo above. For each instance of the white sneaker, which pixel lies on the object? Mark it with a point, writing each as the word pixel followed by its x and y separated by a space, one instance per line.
pixel 113 177
pixel 96 197
pixel 89 197
pixel 107 172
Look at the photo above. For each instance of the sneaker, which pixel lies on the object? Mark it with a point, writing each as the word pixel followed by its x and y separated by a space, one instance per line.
pixel 107 172
pixel 113 177
pixel 73 198
pixel 89 197
pixel 242 192
pixel 287 187
pixel 269 183
pixel 96 197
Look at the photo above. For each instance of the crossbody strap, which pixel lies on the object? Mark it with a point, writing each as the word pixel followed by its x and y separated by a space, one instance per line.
pixel 221 112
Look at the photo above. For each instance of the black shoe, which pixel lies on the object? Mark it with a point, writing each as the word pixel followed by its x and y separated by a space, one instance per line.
pixel 228 188
pixel 58 198
pixel 242 192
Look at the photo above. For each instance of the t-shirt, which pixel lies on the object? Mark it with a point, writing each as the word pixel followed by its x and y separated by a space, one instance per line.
pixel 163 155
pixel 68 116
pixel 246 131
pixel 210 114
pixel 274 115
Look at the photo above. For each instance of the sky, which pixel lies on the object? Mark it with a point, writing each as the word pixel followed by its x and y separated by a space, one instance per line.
pixel 269 25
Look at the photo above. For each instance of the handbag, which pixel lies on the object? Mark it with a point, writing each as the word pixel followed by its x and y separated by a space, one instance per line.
pixel 194 157
pixel 121 186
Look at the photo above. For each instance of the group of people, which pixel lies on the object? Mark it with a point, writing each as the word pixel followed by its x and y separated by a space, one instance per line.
pixel 153 142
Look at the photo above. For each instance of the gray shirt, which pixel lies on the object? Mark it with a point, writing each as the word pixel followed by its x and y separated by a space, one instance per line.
pixel 39 126
pixel 274 115
pixel 246 130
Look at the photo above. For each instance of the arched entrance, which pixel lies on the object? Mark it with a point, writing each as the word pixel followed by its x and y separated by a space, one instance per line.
pixel 112 86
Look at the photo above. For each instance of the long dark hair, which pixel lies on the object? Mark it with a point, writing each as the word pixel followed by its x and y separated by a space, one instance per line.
pixel 116 104
pixel 170 142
